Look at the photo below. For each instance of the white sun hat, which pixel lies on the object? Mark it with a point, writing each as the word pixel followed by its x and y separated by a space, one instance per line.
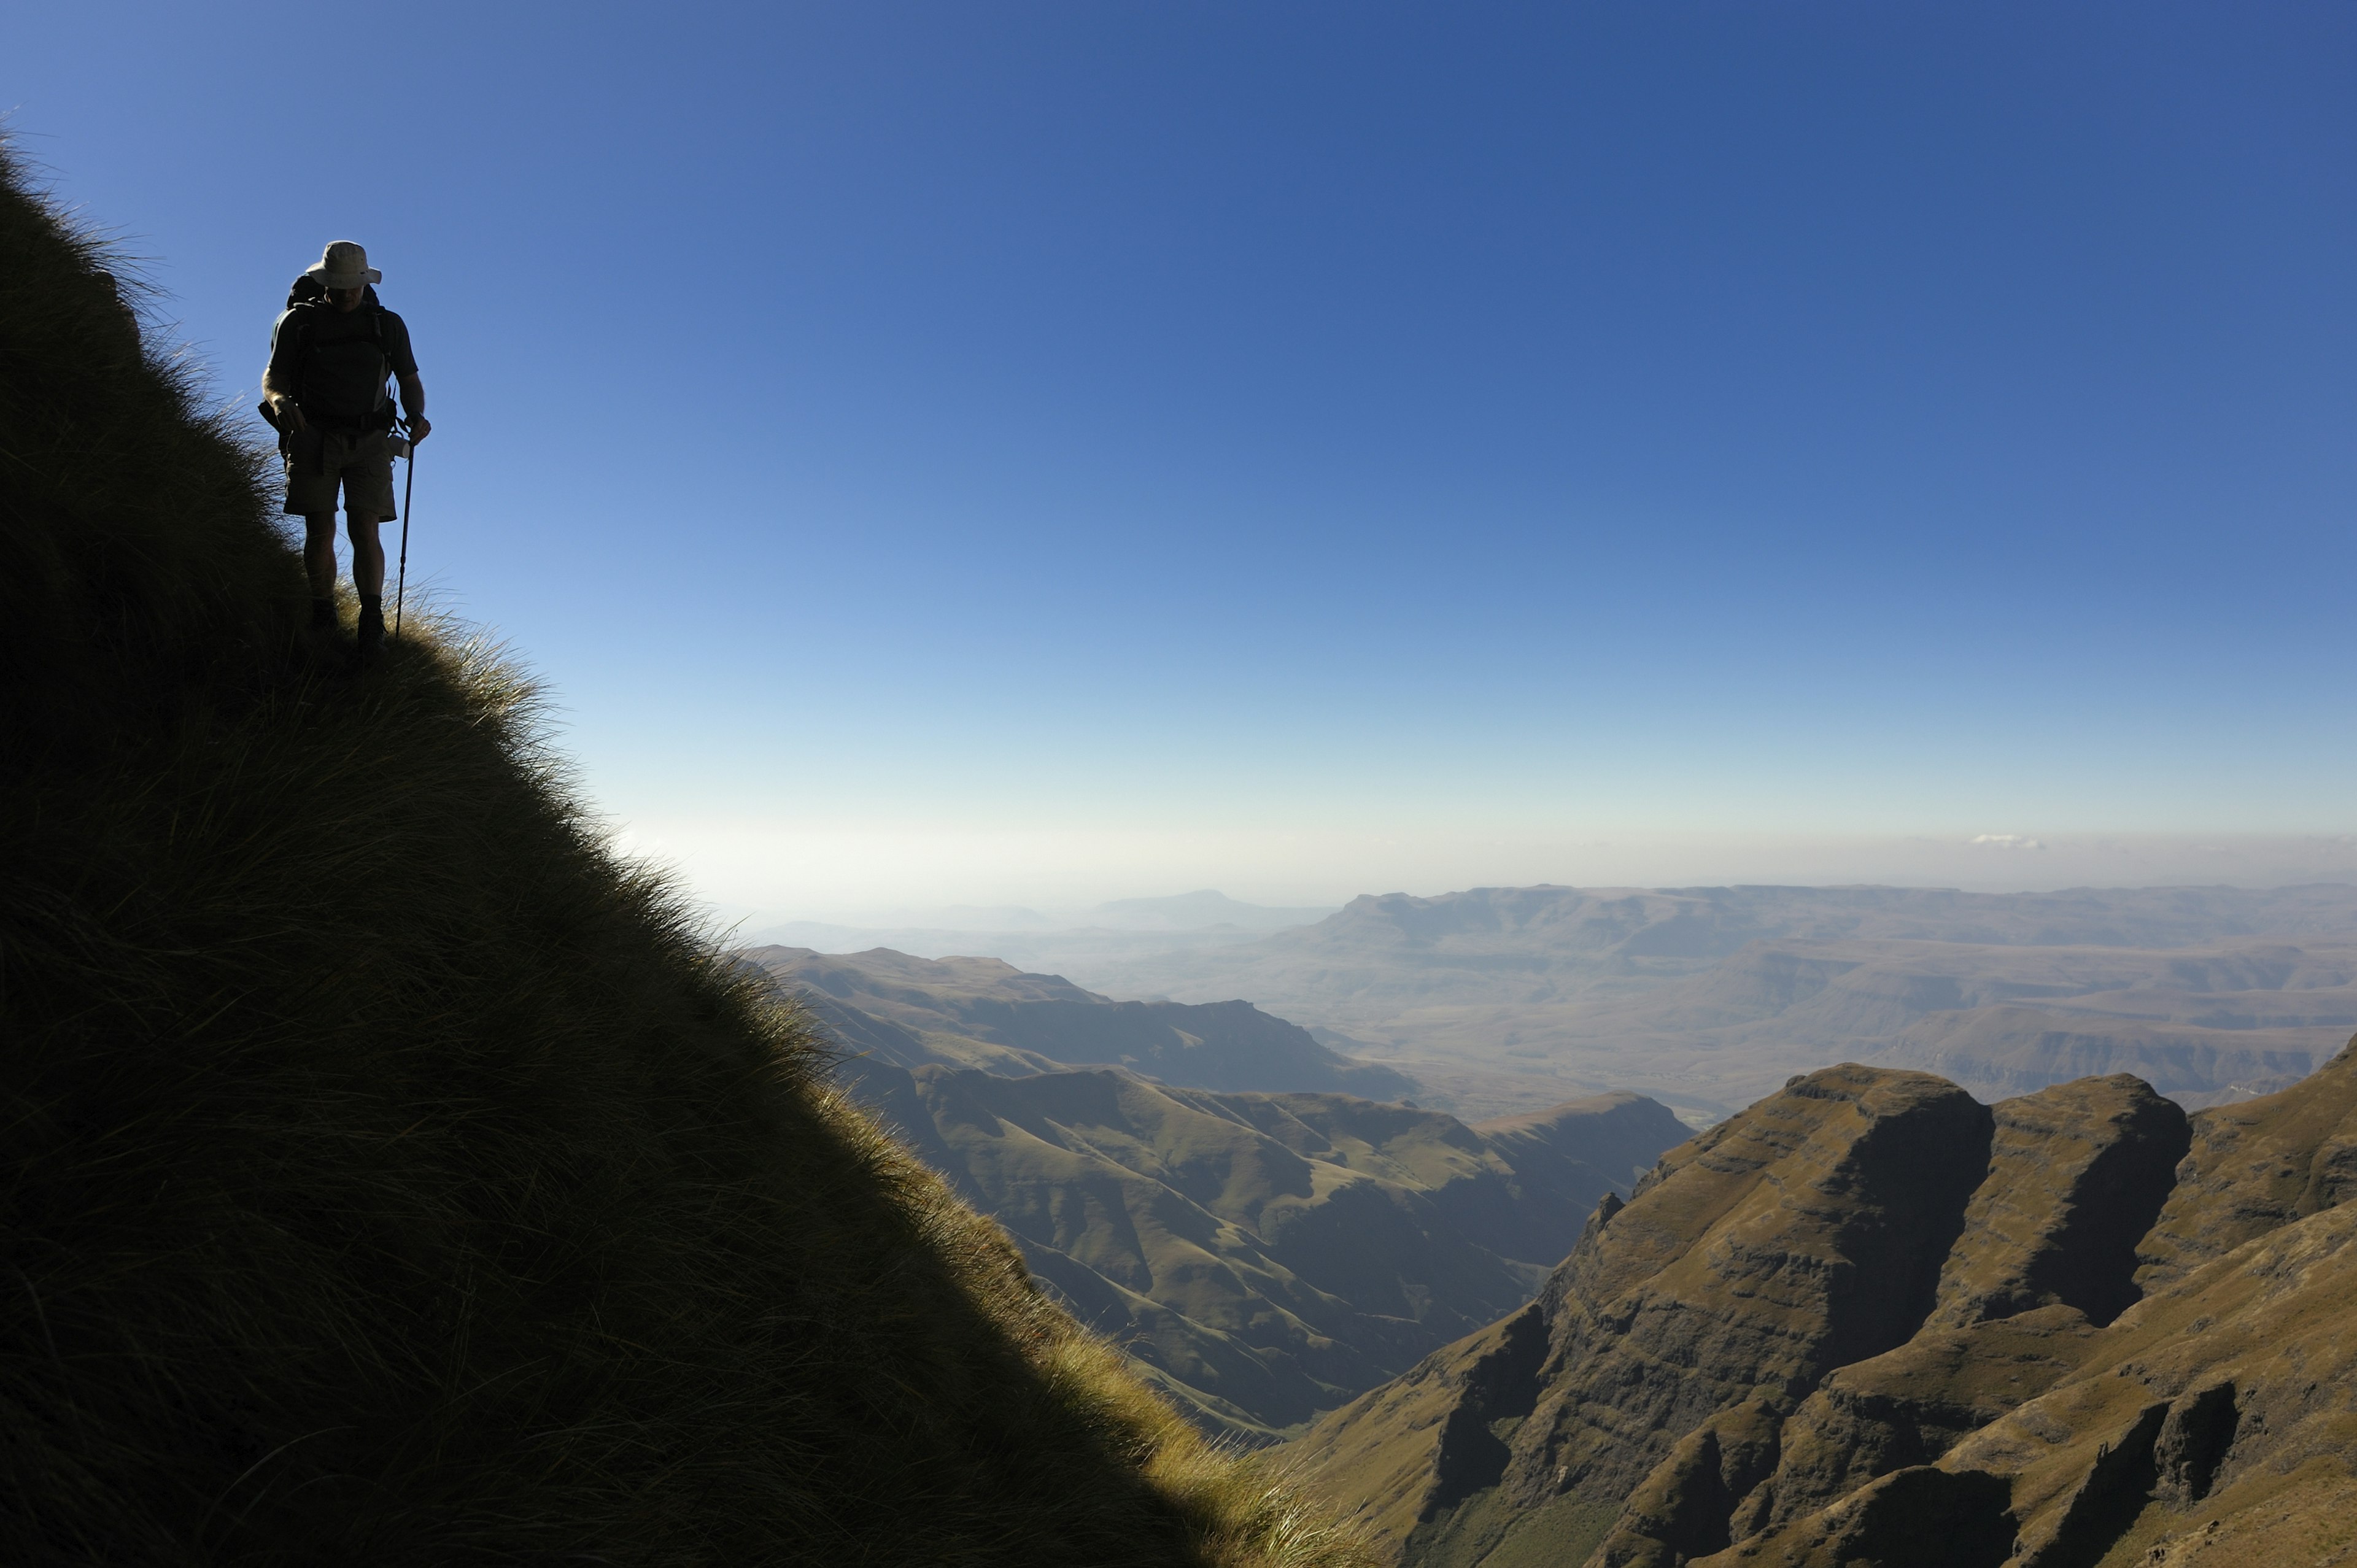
pixel 344 265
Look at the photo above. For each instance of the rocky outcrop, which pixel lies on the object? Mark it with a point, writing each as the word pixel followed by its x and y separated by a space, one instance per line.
pixel 2116 1325
pixel 2077 1175
pixel 2255 1167
pixel 1920 1517
pixel 2209 1423
pixel 1701 1497
pixel 1909 1406
pixel 1806 1233
pixel 1423 1443
pixel 2215 1422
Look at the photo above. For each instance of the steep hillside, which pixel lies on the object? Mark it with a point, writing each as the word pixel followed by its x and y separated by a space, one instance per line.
pixel 1266 1256
pixel 2071 1329
pixel 392 1177
pixel 981 1013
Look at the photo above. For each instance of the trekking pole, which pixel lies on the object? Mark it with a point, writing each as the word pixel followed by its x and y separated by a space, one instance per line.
pixel 401 586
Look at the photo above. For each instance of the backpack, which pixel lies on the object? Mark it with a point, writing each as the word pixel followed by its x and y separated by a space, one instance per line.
pixel 306 297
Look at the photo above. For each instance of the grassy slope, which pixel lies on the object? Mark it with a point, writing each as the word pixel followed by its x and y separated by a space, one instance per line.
pixel 390 1175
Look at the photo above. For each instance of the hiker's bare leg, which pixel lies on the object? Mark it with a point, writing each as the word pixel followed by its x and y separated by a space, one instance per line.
pixel 368 557
pixel 319 555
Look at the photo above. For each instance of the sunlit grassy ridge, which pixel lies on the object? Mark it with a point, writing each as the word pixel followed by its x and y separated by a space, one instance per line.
pixel 392 1177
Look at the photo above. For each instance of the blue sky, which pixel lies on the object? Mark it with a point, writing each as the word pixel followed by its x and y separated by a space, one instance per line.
pixel 1021 452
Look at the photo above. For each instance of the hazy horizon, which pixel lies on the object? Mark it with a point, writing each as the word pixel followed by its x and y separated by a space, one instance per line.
pixel 729 882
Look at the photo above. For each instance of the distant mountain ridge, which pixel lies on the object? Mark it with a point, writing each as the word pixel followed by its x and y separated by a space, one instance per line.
pixel 1198 911
pixel 1204 916
pixel 1708 997
pixel 982 1013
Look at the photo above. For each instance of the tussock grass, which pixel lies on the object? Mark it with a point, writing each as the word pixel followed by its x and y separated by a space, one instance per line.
pixel 390 1175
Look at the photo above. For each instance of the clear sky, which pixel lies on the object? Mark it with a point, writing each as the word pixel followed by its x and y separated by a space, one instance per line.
pixel 1010 452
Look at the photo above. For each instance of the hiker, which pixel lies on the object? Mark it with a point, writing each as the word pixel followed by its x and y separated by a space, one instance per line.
pixel 330 354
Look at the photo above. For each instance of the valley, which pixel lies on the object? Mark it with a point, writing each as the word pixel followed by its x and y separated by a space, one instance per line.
pixel 1262 1258
pixel 1261 1247
pixel 2052 1271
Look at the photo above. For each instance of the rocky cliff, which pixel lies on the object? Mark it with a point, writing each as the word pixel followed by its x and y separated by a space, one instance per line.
pixel 1870 1321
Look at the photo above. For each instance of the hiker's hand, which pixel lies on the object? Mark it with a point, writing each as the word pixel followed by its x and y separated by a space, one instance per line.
pixel 420 427
pixel 290 416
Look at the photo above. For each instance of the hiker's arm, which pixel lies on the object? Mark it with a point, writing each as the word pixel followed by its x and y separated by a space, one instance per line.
pixel 282 400
pixel 413 406
pixel 279 376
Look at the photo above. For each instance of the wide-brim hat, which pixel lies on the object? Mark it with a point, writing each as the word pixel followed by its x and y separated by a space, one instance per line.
pixel 344 265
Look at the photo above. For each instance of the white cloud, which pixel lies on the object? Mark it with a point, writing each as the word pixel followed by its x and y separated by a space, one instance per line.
pixel 2005 841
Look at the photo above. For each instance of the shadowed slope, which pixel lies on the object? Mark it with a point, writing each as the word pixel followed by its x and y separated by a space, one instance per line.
pixel 392 1178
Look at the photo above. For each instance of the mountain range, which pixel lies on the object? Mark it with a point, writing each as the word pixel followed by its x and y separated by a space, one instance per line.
pixel 1503 999
pixel 1871 1320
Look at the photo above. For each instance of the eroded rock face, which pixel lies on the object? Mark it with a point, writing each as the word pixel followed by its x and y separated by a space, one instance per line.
pixel 2215 1420
pixel 2255 1167
pixel 2077 1175
pixel 1909 1406
pixel 2211 1422
pixel 1696 1501
pixel 1867 1321
pixel 1804 1233
pixel 1416 1447
pixel 1921 1516
pixel 1824 1215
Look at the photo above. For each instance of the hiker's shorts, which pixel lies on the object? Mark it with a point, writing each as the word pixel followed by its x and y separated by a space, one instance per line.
pixel 320 462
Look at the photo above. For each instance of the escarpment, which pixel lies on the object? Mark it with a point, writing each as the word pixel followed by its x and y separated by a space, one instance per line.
pixel 2111 1326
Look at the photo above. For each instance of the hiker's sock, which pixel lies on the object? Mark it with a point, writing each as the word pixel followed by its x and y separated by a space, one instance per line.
pixel 323 615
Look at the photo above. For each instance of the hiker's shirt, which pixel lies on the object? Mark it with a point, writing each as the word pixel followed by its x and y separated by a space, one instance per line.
pixel 336 362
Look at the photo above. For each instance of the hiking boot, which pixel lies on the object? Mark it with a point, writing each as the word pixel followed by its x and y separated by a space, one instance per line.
pixel 372 632
pixel 323 617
